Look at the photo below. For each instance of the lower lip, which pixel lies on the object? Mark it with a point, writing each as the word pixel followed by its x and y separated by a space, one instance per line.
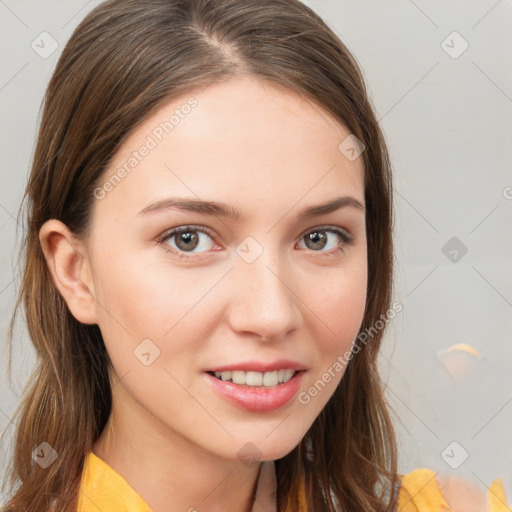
pixel 257 399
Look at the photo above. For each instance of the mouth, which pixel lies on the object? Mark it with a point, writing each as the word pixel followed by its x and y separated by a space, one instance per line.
pixel 256 391
pixel 253 379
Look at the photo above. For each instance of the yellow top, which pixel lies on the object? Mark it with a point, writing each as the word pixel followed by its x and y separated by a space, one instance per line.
pixel 102 488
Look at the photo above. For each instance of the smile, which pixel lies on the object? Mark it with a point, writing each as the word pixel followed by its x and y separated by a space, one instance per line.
pixel 257 398
pixel 256 379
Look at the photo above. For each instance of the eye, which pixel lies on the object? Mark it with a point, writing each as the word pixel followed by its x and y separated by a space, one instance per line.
pixel 187 239
pixel 318 239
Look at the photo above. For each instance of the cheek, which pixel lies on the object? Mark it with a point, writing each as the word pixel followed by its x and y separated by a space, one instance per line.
pixel 136 293
pixel 338 313
pixel 127 305
pixel 339 304
pixel 138 301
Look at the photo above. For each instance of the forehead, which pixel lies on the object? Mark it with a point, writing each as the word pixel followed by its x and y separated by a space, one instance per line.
pixel 236 142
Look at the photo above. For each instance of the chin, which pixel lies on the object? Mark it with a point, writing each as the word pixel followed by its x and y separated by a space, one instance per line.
pixel 264 447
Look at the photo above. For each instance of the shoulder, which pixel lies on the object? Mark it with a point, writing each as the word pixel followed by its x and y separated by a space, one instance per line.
pixel 103 488
pixel 462 495
pixel 423 490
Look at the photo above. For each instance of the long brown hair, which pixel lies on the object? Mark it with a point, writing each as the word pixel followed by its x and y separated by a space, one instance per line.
pixel 124 61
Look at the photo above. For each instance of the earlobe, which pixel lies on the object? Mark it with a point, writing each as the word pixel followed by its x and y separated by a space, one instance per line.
pixel 69 268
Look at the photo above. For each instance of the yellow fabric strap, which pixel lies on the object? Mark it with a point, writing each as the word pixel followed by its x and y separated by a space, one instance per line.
pixel 496 497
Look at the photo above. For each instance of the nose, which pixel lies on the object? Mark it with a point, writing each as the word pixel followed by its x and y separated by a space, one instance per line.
pixel 264 303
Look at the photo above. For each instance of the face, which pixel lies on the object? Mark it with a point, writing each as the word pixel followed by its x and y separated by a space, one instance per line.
pixel 269 289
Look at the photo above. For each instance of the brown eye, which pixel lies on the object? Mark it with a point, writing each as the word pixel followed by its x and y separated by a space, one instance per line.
pixel 319 239
pixel 187 239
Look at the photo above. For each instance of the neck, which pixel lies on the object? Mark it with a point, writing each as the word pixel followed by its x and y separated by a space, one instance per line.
pixel 169 471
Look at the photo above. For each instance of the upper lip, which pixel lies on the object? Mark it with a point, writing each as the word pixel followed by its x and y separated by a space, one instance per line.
pixel 259 366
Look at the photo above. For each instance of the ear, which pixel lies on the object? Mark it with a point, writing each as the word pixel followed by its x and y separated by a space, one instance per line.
pixel 70 269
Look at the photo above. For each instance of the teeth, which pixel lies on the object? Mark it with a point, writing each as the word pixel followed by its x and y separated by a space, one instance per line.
pixel 257 379
pixel 224 375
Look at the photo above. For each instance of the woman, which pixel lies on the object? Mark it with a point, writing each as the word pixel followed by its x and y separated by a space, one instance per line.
pixel 208 263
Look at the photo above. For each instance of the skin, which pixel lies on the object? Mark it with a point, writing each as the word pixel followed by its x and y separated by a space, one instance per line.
pixel 173 439
pixel 462 495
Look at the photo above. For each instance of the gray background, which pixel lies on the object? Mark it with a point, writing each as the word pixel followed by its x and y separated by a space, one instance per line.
pixel 447 119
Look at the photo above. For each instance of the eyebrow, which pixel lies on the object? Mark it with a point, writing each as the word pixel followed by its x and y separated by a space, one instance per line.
pixel 221 209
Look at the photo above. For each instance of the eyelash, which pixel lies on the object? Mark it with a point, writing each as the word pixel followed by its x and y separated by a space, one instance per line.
pixel 346 238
